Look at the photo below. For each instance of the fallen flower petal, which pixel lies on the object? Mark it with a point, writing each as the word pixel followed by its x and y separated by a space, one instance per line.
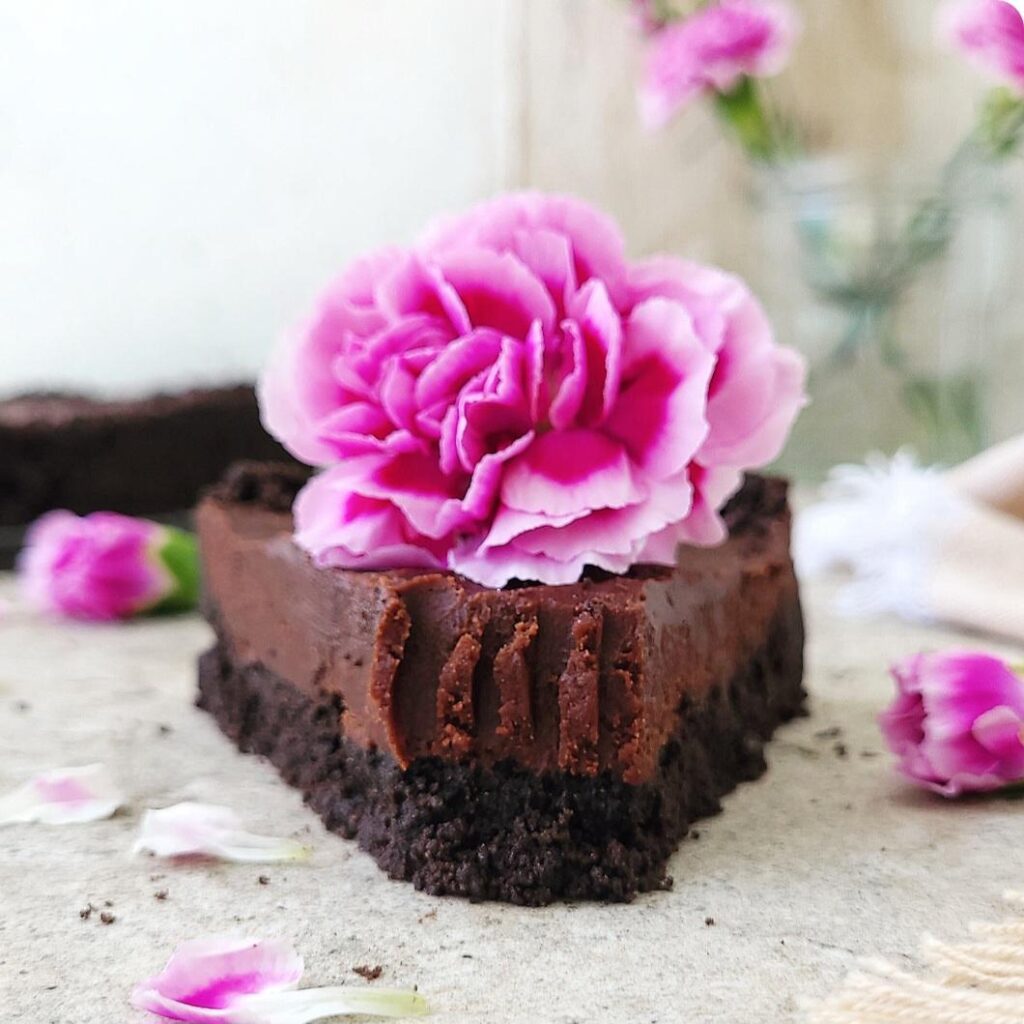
pixel 63 796
pixel 194 829
pixel 252 981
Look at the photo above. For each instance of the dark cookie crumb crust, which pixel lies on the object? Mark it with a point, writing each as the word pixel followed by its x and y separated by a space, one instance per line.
pixel 507 833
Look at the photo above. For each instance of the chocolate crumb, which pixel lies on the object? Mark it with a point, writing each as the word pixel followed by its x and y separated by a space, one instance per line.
pixel 709 922
pixel 367 972
pixel 695 834
pixel 86 912
pixel 428 916
pixel 831 733
pixel 467 956
pixel 156 878
pixel 264 879
pixel 108 903
pixel 164 730
pixel 840 750
pixel 160 894
pixel 107 917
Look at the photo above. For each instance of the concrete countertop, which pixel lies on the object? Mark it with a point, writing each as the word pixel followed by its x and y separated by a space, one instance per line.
pixel 827 858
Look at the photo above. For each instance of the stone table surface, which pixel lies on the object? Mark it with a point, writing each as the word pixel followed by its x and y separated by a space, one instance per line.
pixel 827 858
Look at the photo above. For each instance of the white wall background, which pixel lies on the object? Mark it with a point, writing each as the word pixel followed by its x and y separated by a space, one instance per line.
pixel 177 180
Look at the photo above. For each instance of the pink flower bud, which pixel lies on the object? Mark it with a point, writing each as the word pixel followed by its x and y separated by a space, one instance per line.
pixel 106 566
pixel 957 723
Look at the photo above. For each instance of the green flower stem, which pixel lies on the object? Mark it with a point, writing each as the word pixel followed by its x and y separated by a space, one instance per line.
pixel 744 111
pixel 1001 126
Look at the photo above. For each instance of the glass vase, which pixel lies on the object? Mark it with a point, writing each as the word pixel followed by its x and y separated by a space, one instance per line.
pixel 889 284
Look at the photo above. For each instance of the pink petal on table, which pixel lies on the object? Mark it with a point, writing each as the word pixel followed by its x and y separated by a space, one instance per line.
pixel 63 796
pixel 194 829
pixel 206 979
pixel 254 981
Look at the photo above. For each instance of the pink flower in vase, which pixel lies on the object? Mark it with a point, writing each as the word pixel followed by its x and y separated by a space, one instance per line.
pixel 511 399
pixel 957 723
pixel 991 34
pixel 645 16
pixel 712 50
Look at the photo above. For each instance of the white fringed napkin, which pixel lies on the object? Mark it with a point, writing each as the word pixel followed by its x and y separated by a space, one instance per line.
pixel 925 544
pixel 980 982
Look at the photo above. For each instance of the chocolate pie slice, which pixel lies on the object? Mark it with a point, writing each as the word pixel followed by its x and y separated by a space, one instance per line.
pixel 525 744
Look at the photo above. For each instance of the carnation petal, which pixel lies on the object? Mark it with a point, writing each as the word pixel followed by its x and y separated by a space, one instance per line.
pixel 194 829
pixel 1001 731
pixel 298 386
pixel 612 532
pixel 457 364
pixel 703 526
pixel 498 566
pixel 757 391
pixel 208 979
pixel 415 287
pixel 343 528
pixel 498 291
pixel 240 980
pixel 598 249
pixel 63 796
pixel 661 412
pixel 565 472
pixel 485 484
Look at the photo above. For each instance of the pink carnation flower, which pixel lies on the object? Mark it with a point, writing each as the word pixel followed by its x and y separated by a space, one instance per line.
pixel 991 33
pixel 106 566
pixel 711 50
pixel 511 400
pixel 957 723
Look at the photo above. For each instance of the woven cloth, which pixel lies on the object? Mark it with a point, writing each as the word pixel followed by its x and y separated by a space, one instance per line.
pixel 979 982
pixel 923 544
